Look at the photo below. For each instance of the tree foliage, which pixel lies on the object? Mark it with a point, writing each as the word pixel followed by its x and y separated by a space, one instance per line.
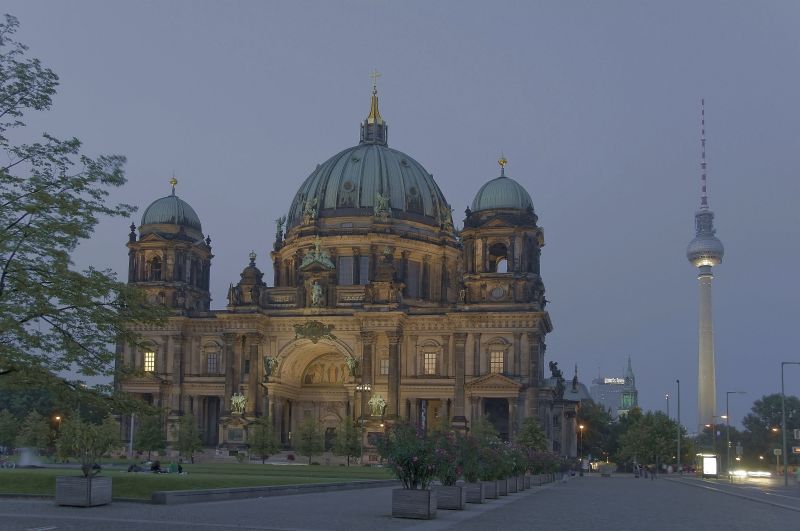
pixel 348 440
pixel 52 197
pixel 87 441
pixel 263 439
pixel 149 436
pixel 649 438
pixel 762 425
pixel 597 425
pixel 9 427
pixel 531 436
pixel 188 442
pixel 308 440
pixel 34 432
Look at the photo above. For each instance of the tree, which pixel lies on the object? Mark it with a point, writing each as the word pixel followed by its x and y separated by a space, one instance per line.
pixel 763 424
pixel 87 441
pixel 649 438
pixel 484 431
pixel 308 440
pixel 263 439
pixel 34 432
pixel 52 197
pixel 9 427
pixel 149 435
pixel 597 424
pixel 531 436
pixel 348 440
pixel 188 442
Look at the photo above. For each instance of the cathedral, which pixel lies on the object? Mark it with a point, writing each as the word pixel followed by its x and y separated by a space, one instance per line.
pixel 378 310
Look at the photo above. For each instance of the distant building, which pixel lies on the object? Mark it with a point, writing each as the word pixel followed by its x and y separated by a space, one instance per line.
pixel 617 394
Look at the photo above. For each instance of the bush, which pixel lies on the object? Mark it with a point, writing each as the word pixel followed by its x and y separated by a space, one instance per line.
pixel 409 454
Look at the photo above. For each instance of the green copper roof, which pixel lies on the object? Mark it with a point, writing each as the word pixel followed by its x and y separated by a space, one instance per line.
pixel 349 184
pixel 501 193
pixel 173 211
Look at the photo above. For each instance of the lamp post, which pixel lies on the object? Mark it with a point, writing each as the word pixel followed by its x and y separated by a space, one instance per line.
pixel 362 388
pixel 679 425
pixel 728 428
pixel 667 397
pixel 58 423
pixel 783 424
pixel 580 441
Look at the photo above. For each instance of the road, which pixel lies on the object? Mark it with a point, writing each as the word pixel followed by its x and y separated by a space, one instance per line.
pixel 617 504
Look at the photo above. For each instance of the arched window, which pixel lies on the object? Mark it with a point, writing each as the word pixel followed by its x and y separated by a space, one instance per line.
pixel 155 268
pixel 502 266
pixel 212 355
pixel 430 354
pixel 498 252
pixel 497 355
pixel 149 360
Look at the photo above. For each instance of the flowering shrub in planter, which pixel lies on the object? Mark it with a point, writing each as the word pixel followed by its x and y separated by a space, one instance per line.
pixel 447 469
pixel 410 455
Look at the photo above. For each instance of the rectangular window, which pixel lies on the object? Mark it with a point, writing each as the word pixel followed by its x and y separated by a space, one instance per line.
pixel 212 364
pixel 496 361
pixel 345 271
pixel 149 361
pixel 363 270
pixel 430 363
pixel 412 280
pixel 385 366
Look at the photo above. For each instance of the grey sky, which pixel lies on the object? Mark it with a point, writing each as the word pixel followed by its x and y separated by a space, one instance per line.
pixel 595 105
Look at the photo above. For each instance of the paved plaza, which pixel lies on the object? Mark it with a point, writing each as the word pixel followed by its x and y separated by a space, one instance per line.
pixel 620 503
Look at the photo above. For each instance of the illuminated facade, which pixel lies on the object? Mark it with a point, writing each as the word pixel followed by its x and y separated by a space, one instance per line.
pixel 372 288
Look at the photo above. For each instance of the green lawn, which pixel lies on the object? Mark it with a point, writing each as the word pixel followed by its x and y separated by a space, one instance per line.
pixel 201 476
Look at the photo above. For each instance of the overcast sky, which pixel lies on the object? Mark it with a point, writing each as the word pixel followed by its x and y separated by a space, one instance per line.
pixel 595 104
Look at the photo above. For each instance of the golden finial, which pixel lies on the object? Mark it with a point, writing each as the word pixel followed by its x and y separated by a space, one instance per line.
pixel 252 257
pixel 173 182
pixel 502 162
pixel 374 116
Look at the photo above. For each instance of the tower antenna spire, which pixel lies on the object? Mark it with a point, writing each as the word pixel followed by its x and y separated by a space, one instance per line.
pixel 703 163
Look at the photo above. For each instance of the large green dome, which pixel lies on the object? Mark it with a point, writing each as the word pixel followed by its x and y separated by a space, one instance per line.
pixel 349 184
pixel 502 193
pixel 370 178
pixel 171 210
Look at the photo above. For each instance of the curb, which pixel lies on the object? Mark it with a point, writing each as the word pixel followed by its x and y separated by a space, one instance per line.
pixel 735 494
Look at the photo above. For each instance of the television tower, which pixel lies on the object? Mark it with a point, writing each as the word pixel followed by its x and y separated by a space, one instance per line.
pixel 704 252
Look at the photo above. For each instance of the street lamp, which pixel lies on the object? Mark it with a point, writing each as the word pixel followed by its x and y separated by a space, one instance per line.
pixel 580 441
pixel 680 470
pixel 667 397
pixel 362 388
pixel 783 424
pixel 728 428
pixel 58 423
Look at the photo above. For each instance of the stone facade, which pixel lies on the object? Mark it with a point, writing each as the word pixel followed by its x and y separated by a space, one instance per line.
pixel 438 325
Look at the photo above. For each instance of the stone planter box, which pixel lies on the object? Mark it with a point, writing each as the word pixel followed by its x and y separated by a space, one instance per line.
pixel 419 504
pixel 79 491
pixel 520 483
pixel 451 497
pixel 526 480
pixel 502 487
pixel 474 492
pixel 489 490
pixel 512 485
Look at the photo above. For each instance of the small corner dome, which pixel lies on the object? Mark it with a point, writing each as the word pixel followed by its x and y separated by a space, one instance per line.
pixel 502 193
pixel 171 210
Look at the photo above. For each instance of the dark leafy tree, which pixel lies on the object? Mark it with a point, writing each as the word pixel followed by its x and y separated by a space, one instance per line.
pixel 597 425
pixel 308 440
pixel 34 432
pixel 531 436
pixel 52 196
pixel 649 438
pixel 262 438
pixel 9 428
pixel 188 442
pixel 348 440
pixel 762 426
pixel 149 436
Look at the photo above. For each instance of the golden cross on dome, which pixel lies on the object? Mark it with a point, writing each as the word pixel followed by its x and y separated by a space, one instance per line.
pixel 173 182
pixel 375 75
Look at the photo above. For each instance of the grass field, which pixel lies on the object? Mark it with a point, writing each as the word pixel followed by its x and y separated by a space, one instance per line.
pixel 200 476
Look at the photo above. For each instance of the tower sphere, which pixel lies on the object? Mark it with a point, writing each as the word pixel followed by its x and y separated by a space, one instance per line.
pixel 171 210
pixel 705 251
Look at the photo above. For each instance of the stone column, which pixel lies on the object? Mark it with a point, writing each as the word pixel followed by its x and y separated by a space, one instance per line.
pixel 253 386
pixel 476 352
pixel 533 360
pixel 178 369
pixel 459 419
pixel 367 348
pixel 512 418
pixel 517 353
pixel 230 374
pixel 445 356
pixel 394 372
